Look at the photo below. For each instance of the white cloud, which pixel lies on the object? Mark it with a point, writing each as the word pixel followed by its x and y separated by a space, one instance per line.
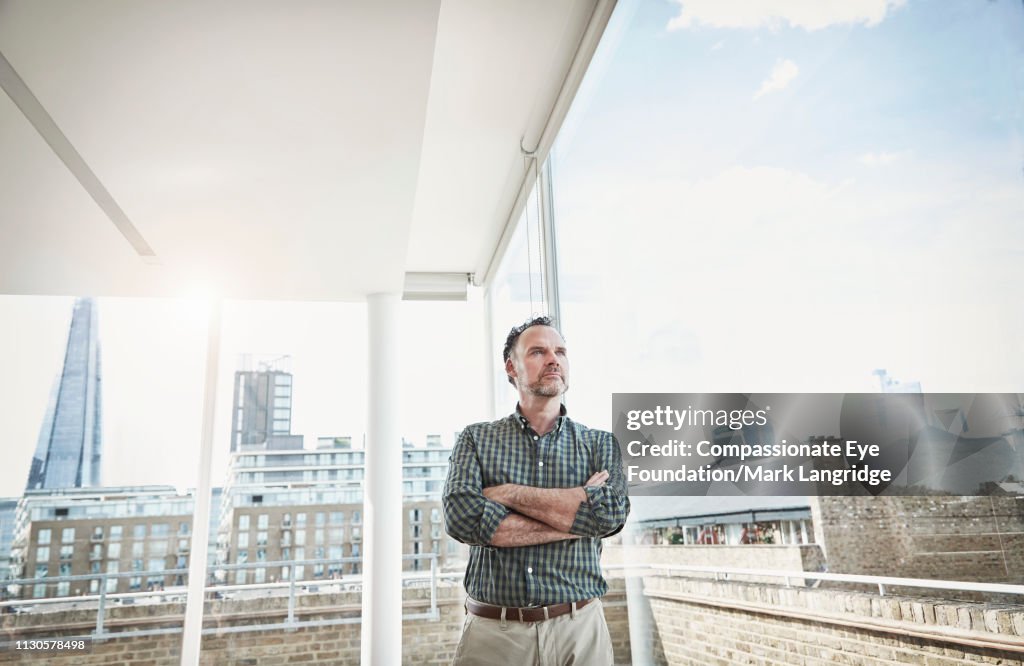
pixel 879 159
pixel 801 279
pixel 782 75
pixel 806 14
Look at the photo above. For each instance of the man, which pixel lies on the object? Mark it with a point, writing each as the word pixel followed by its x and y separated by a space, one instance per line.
pixel 534 494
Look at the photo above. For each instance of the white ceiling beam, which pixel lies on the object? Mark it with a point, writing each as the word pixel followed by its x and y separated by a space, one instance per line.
pixel 34 112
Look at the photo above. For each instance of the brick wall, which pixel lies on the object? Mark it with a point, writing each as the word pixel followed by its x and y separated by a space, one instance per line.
pixel 427 642
pixel 700 621
pixel 954 538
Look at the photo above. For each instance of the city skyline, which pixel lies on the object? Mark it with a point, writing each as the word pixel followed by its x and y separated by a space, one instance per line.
pixel 154 359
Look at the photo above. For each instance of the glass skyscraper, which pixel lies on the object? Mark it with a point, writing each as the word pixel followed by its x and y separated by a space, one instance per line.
pixel 68 452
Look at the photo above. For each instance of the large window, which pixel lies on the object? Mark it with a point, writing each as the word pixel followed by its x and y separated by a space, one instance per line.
pixel 128 402
pixel 103 406
pixel 801 197
pixel 789 199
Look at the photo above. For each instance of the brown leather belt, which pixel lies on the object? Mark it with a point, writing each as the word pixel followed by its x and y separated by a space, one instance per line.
pixel 534 614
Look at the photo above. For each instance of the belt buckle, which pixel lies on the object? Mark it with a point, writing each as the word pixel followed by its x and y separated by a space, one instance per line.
pixel 544 609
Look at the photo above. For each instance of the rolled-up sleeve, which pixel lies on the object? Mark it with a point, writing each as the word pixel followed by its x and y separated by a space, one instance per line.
pixel 469 517
pixel 605 510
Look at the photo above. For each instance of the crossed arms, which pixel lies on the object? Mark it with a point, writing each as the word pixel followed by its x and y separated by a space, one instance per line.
pixel 510 515
pixel 541 515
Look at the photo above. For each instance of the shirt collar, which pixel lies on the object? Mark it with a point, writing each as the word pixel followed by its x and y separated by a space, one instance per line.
pixel 525 424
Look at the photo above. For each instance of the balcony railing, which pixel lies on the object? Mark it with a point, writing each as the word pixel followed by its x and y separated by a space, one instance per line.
pixel 789 577
pixel 294 588
pixel 177 594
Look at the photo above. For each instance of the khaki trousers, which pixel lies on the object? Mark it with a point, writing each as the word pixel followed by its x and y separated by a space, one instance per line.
pixel 579 640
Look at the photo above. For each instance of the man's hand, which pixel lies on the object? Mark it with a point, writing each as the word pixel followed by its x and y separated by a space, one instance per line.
pixel 597 479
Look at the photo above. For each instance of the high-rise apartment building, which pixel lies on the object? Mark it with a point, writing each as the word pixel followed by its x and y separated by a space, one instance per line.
pixel 69 447
pixel 262 409
pixel 143 530
pixel 139 531
pixel 287 505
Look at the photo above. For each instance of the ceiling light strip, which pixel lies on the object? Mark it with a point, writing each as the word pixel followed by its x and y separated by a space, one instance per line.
pixel 23 98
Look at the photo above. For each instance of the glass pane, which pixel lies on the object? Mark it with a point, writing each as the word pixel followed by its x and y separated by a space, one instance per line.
pixel 793 200
pixel 790 207
pixel 516 293
pixel 443 355
pixel 102 407
pixel 302 369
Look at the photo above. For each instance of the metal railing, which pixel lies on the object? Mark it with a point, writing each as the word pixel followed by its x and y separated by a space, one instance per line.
pixel 297 587
pixel 725 573
pixel 294 587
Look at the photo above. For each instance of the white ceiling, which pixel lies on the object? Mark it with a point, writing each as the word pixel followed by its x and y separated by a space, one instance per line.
pixel 314 150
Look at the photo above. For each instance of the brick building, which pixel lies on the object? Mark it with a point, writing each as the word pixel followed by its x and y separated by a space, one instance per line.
pixel 299 504
pixel 80 531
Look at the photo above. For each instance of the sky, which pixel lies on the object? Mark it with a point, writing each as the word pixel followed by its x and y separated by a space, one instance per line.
pixel 749 196
pixel 786 196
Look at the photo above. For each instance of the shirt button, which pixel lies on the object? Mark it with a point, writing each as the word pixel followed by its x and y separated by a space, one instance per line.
pixel 540 464
pixel 535 438
pixel 529 570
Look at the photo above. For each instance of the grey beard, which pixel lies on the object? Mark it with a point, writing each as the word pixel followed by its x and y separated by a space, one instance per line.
pixel 548 390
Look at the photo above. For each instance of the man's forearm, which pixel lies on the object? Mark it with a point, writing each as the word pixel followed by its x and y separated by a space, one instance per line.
pixel 555 507
pixel 516 530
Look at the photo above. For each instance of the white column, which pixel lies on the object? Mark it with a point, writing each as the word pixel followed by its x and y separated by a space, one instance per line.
pixel 382 496
pixel 637 605
pixel 192 633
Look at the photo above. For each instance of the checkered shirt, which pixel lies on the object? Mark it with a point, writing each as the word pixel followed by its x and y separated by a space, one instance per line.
pixel 510 451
